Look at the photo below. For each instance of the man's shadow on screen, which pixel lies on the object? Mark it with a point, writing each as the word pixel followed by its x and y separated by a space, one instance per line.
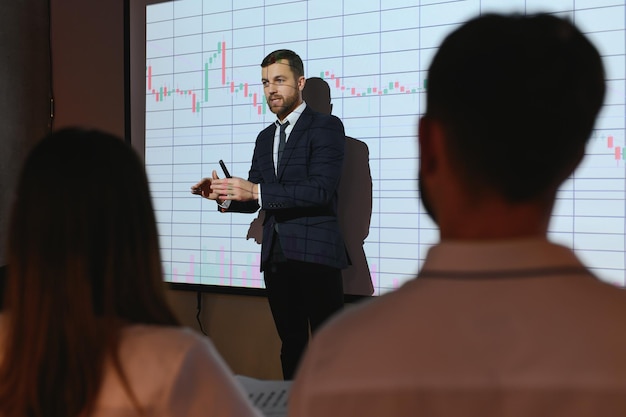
pixel 355 198
pixel 355 195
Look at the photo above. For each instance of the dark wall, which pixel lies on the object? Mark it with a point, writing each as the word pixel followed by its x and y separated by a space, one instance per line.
pixel 24 102
pixel 88 63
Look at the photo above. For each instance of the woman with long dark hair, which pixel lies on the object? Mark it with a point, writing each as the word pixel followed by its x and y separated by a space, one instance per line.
pixel 86 330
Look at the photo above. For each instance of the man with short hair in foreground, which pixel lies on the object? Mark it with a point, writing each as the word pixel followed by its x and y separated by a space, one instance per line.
pixel 499 321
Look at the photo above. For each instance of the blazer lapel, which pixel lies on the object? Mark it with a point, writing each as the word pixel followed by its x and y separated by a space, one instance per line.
pixel 265 144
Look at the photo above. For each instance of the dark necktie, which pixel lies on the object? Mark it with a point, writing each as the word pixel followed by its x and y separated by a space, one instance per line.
pixel 282 138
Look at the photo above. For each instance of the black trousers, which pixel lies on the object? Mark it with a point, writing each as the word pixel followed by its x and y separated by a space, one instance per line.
pixel 301 295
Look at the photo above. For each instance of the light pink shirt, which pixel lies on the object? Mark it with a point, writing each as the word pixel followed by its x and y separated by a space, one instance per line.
pixel 506 328
pixel 173 372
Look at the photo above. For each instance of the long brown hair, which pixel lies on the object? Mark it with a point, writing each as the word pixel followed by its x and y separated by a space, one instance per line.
pixel 83 260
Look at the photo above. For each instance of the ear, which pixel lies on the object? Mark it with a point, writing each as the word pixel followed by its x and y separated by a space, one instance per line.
pixel 578 160
pixel 301 82
pixel 575 162
pixel 427 137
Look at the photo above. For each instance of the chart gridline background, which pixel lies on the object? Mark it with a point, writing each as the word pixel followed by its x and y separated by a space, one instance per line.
pixel 204 102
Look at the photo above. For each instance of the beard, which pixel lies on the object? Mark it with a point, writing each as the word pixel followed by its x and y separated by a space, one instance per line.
pixel 426 202
pixel 289 103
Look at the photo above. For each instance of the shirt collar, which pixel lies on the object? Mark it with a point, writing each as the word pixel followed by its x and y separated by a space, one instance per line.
pixel 293 116
pixel 498 255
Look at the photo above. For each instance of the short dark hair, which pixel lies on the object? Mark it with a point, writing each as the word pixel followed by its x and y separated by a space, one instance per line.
pixel 297 67
pixel 518 97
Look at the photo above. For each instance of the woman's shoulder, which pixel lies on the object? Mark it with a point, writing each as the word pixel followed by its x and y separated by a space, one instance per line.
pixel 153 358
pixel 171 368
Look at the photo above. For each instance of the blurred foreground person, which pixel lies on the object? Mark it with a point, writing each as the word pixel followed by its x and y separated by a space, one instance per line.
pixel 86 330
pixel 499 321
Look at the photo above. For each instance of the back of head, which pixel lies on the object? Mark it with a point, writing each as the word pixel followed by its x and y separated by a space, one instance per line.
pixel 83 216
pixel 84 259
pixel 293 59
pixel 518 97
